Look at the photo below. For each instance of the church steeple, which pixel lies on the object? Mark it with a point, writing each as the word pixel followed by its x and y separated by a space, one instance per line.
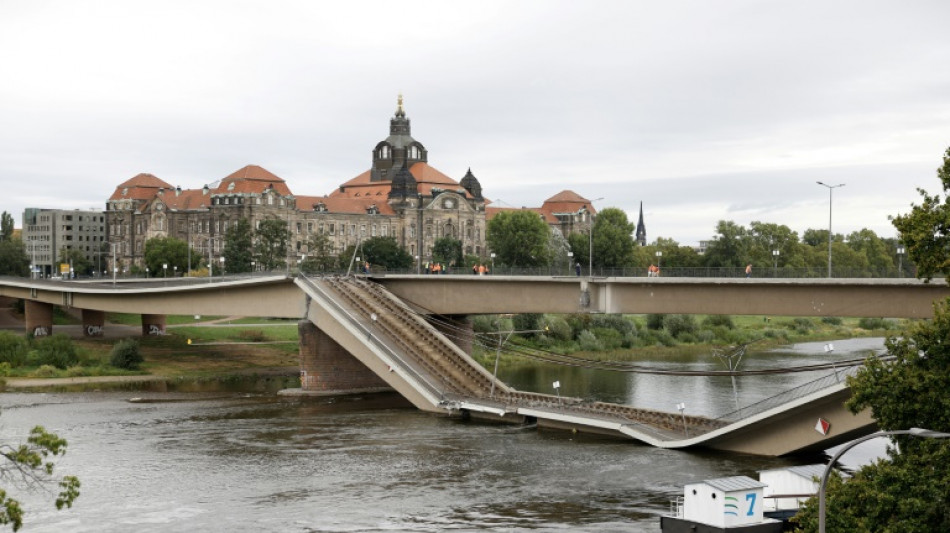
pixel 641 229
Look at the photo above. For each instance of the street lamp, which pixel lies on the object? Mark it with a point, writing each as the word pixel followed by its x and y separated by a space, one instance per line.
pixel 590 244
pixel 831 189
pixel 222 265
pixel 659 257
pixel 915 432
pixel 175 271
pixel 493 262
pixel 775 254
pixel 146 272
pixel 900 260
pixel 164 270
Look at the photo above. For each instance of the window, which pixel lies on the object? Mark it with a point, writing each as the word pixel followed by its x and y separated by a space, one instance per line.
pixel 373 231
pixel 362 230
pixel 331 228
pixel 299 227
pixel 385 231
pixel 309 227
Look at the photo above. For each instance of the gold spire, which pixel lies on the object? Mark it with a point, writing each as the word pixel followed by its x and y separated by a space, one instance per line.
pixel 399 110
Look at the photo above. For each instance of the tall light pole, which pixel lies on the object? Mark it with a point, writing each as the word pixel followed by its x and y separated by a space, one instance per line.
pixel 590 245
pixel 916 432
pixel 831 189
pixel 900 260
pixel 775 254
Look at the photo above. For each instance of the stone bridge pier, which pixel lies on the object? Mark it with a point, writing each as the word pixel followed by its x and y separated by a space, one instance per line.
pixel 39 318
pixel 327 368
pixel 93 323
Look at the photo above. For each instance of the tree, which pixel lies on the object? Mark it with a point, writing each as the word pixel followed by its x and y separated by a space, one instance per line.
pixel 613 239
pixel 385 252
pixel 271 239
pixel 166 251
pixel 926 229
pixel 899 493
pixel 447 250
pixel 30 466
pixel 76 260
pixel 6 226
pixel 238 251
pixel 519 238
pixel 730 248
pixel 320 257
pixel 13 258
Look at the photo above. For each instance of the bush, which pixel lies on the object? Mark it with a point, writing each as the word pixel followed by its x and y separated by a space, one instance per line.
pixel 803 325
pixel 558 328
pixel 679 325
pixel 249 335
pixel 588 341
pixel 655 321
pixel 610 339
pixel 831 320
pixel 527 322
pixel 724 321
pixel 872 323
pixel 579 322
pixel 13 349
pixel 56 350
pixel 126 354
pixel 615 322
pixel 45 371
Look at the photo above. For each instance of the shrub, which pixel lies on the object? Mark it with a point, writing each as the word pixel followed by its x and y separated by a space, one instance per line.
pixel 655 321
pixel 13 349
pixel 126 354
pixel 872 323
pixel 803 325
pixel 678 325
pixel 558 328
pixel 527 322
pixel 613 321
pixel 630 340
pixel 45 371
pixel 56 350
pixel 588 341
pixel 250 335
pixel 725 321
pixel 610 339
pixel 5 368
pixel 831 320
pixel 579 322
pixel 485 323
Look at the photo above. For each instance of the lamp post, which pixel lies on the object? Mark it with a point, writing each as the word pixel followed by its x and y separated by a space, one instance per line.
pixel 164 270
pixel 831 189
pixel 775 254
pixel 659 257
pixel 175 271
pixel 900 260
pixel 146 272
pixel 590 244
pixel 493 262
pixel 915 432
pixel 222 266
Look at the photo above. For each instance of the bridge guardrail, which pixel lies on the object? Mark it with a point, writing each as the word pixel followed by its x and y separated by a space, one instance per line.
pixel 785 397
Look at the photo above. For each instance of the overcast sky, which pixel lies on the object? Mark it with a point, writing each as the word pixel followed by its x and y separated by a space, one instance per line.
pixel 703 111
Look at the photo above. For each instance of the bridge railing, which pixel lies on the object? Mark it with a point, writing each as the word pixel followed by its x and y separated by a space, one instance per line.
pixel 763 272
pixel 783 398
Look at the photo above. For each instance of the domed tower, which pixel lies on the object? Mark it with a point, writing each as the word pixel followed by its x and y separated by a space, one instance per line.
pixel 398 149
pixel 470 183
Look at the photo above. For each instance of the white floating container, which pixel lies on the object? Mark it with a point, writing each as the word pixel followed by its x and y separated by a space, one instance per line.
pixel 726 504
pixel 796 484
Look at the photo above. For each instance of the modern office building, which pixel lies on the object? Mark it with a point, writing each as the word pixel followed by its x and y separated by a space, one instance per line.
pixel 49 233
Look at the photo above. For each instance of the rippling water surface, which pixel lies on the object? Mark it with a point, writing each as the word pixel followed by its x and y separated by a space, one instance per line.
pixel 199 462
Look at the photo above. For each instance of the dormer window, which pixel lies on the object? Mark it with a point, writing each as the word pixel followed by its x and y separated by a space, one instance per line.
pixel 372 210
pixel 231 186
pixel 320 207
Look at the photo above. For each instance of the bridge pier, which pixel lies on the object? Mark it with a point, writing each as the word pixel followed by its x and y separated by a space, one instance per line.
pixel 93 322
pixel 327 368
pixel 39 318
pixel 153 324
pixel 457 328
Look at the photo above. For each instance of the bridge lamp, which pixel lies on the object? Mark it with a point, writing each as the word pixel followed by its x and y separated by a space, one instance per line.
pixel 681 407
pixel 659 257
pixel 775 254
pixel 831 189
pixel 557 389
pixel 146 272
pixel 900 260
pixel 253 269
pixel 164 270
pixel 914 432
pixel 175 271
pixel 493 262
pixel 222 265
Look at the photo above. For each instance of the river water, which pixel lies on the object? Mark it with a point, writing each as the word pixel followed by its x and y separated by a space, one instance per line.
pixel 258 462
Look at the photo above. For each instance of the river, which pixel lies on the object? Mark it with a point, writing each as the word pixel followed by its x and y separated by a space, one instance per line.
pixel 257 462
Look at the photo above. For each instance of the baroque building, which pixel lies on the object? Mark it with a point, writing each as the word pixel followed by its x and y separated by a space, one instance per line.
pixel 400 196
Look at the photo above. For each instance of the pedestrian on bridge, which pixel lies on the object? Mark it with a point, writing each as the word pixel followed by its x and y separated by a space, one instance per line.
pixel 748 270
pixel 577 269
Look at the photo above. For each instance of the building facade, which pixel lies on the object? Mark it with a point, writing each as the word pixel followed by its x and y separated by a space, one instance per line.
pixel 401 196
pixel 49 233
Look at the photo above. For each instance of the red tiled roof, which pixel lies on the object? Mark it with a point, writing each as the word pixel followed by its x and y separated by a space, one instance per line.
pixel 186 199
pixel 145 180
pixel 141 187
pixel 252 179
pixel 567 196
pixel 426 177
